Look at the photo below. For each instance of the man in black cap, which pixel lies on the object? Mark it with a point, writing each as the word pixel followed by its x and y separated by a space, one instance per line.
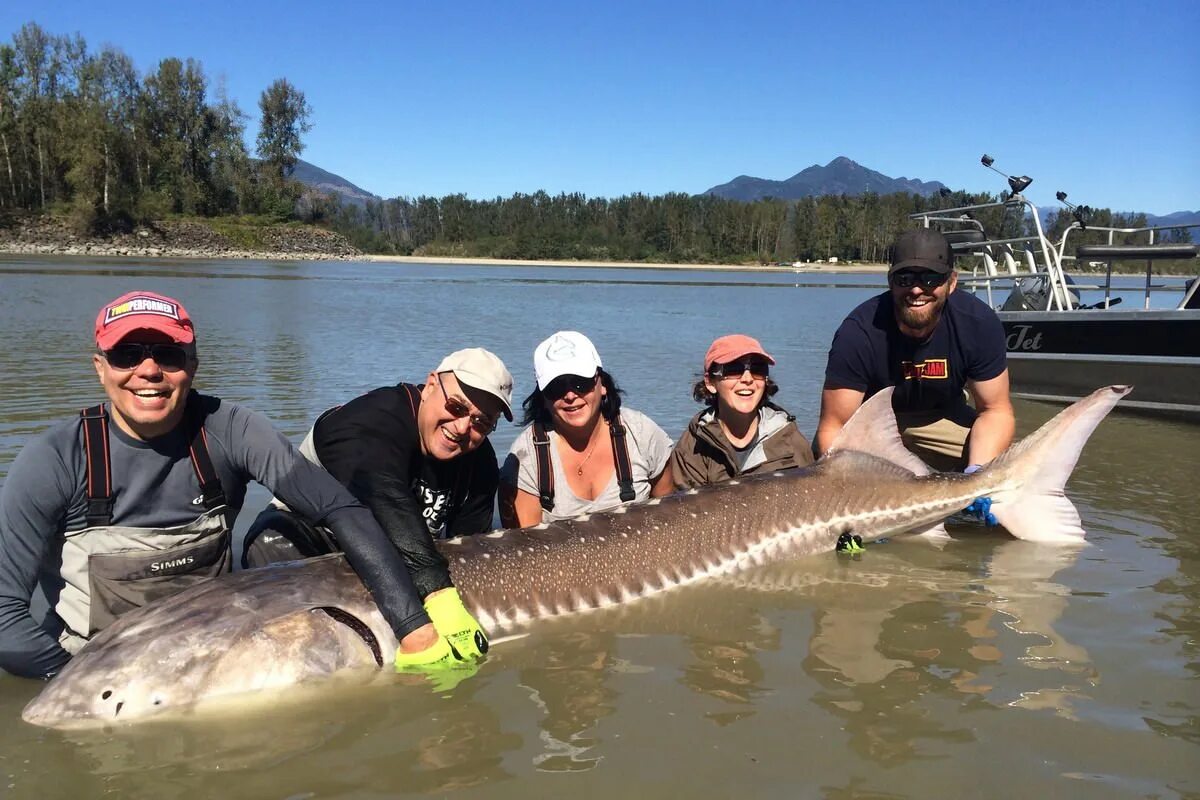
pixel 931 343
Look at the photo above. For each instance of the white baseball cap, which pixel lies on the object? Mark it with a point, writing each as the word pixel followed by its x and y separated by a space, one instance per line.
pixel 565 353
pixel 483 370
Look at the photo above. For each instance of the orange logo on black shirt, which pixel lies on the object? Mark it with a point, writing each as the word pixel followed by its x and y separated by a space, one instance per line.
pixel 932 369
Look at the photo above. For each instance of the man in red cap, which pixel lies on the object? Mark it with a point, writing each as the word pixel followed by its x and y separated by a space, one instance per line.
pixel 741 431
pixel 135 500
pixel 931 343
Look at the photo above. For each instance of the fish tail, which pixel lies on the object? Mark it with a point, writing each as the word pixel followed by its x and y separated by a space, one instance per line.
pixel 1029 500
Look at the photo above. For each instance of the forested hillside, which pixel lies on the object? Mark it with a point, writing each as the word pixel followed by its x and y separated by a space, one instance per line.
pixel 87 135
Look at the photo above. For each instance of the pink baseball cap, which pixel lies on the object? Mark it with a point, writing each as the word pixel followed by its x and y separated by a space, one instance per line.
pixel 142 311
pixel 732 347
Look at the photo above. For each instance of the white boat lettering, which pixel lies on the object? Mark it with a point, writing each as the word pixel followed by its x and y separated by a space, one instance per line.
pixel 1022 339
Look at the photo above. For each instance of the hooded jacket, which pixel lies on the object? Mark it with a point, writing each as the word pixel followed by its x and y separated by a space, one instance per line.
pixel 705 456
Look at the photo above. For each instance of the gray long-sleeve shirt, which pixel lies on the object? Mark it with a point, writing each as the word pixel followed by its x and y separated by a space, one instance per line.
pixel 155 486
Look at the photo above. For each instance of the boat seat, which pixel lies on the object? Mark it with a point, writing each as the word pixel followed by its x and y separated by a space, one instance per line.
pixel 965 240
pixel 1141 252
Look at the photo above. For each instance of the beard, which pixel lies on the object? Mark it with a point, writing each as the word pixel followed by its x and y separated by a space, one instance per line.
pixel 921 318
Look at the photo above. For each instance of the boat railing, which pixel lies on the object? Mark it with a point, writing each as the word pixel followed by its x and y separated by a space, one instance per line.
pixel 1005 262
pixel 1003 259
pixel 1149 251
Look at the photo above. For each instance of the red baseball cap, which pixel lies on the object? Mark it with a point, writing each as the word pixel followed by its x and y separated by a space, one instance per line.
pixel 142 311
pixel 732 347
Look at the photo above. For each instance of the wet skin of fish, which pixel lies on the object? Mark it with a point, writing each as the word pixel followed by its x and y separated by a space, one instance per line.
pixel 294 623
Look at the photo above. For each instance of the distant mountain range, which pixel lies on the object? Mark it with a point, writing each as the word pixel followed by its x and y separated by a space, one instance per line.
pixel 1178 218
pixel 840 176
pixel 328 183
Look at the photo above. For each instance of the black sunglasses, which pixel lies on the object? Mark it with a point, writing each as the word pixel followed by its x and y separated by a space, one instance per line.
pixel 458 409
pixel 909 279
pixel 128 355
pixel 757 368
pixel 560 386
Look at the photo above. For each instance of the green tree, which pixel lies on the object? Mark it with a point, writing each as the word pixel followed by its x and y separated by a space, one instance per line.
pixel 285 119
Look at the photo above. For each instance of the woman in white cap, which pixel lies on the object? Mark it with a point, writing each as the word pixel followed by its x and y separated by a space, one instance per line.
pixel 740 431
pixel 581 452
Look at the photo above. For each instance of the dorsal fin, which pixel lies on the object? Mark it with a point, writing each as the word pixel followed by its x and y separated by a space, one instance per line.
pixel 873 430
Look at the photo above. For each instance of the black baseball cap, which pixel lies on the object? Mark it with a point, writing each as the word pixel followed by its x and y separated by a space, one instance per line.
pixel 924 248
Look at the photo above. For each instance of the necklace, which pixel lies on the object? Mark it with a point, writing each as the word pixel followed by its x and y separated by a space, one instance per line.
pixel 587 454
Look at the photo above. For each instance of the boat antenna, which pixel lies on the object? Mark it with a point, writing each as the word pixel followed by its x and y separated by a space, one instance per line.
pixel 1017 183
pixel 1080 213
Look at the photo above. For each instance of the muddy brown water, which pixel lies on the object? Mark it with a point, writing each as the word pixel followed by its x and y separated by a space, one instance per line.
pixel 988 668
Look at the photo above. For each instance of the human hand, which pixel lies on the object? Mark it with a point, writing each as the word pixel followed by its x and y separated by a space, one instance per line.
pixel 981 508
pixel 442 664
pixel 455 623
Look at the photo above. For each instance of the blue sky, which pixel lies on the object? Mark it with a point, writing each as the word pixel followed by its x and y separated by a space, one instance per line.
pixel 1101 100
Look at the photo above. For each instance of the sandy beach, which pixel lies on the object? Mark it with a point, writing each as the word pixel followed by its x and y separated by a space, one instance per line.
pixel 505 262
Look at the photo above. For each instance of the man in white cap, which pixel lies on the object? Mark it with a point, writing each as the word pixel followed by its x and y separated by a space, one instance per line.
pixel 419 458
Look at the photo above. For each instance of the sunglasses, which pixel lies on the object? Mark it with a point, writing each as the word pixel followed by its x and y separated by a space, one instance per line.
pixel 909 279
pixel 757 367
pixel 128 355
pixel 563 384
pixel 458 409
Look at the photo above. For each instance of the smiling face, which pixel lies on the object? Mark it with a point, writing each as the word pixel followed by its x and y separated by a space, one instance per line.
pixel 739 394
pixel 146 401
pixel 574 401
pixel 917 308
pixel 446 431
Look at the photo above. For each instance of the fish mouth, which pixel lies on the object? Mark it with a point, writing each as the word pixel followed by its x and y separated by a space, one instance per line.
pixel 360 629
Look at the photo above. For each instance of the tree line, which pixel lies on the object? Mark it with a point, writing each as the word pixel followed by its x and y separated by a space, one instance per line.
pixel 84 133
pixel 679 227
pixel 673 227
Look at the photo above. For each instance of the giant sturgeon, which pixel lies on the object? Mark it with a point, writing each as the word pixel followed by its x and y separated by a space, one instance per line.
pixel 295 623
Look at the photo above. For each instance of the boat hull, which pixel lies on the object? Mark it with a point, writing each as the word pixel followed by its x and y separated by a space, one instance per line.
pixel 1060 356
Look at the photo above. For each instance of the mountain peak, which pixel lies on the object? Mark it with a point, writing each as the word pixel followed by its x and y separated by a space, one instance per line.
pixel 842 175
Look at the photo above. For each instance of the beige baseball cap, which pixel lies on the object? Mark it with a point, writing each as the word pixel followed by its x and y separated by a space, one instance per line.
pixel 483 370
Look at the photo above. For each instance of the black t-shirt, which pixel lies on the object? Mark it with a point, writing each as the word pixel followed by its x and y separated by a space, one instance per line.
pixel 869 353
pixel 372 446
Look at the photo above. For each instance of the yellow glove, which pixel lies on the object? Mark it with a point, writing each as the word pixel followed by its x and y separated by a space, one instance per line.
pixel 455 623
pixel 441 664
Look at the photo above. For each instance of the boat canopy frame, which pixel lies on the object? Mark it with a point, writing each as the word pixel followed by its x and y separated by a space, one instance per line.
pixel 1041 257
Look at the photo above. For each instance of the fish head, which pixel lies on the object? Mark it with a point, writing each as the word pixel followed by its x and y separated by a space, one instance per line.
pixel 147 671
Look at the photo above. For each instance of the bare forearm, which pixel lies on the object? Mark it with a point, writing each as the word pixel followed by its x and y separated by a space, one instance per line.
pixel 991 434
pixel 827 432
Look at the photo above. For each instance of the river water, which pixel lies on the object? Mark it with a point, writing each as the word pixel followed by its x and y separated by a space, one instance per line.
pixel 989 668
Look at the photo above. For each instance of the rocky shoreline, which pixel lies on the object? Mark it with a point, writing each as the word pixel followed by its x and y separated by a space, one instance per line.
pixel 44 235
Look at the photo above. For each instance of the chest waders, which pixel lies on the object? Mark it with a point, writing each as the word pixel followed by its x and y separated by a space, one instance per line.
pixel 111 569
pixel 545 470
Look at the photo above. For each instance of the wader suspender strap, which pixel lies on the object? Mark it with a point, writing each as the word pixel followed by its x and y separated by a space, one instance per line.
pixel 210 485
pixel 99 467
pixel 545 470
pixel 99 475
pixel 621 460
pixel 541 449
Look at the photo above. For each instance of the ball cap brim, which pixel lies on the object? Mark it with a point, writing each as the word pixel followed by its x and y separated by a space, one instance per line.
pixel 143 311
pixel 483 370
pixel 732 347
pixel 565 353
pixel 923 248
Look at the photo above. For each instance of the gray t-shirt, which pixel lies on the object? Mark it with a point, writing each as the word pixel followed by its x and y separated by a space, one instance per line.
pixel 649 451
pixel 155 486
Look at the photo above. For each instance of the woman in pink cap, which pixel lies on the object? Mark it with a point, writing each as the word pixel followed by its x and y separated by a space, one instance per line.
pixel 740 431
